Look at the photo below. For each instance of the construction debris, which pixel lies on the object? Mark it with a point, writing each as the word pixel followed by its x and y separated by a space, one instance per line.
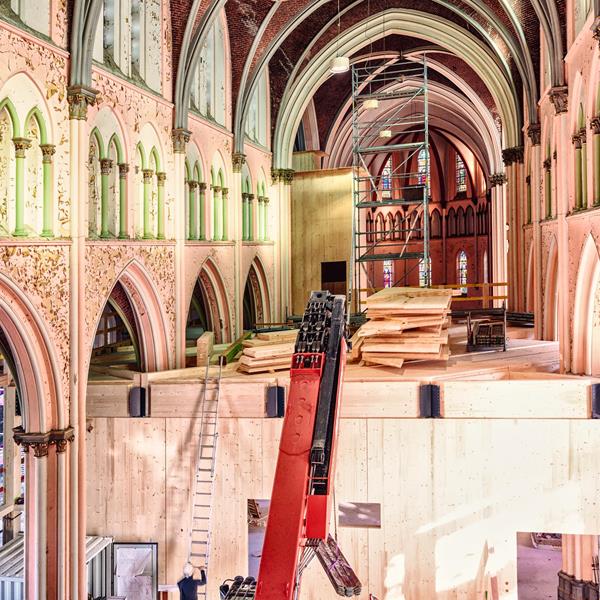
pixel 404 324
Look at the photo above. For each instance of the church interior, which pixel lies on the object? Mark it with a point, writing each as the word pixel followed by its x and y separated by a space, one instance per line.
pixel 302 296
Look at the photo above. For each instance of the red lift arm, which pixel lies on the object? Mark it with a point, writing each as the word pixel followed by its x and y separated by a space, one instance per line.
pixel 301 501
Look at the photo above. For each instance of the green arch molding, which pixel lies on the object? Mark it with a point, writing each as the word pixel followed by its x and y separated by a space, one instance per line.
pixel 221 178
pixel 12 113
pixel 141 153
pixel 213 179
pixel 198 171
pixel 187 170
pixel 154 154
pixel 96 134
pixel 114 139
pixel 39 118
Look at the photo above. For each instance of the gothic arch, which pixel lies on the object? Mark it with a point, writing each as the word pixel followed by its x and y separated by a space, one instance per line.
pixel 586 316
pixel 551 294
pixel 257 284
pixel 530 283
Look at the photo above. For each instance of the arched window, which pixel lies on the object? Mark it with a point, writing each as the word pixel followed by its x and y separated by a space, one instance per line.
pixel 390 227
pixel 379 227
pixel 388 273
pixel 369 228
pixel 470 221
pixel 399 226
pixel 425 272
pixel 436 224
pixel 461 175
pixel 208 86
pixel 7 172
pixel 35 15
pixel 247 206
pixel 256 122
pixel 451 223
pixel 462 271
pixel 386 179
pixel 423 168
pixel 139 184
pixel 460 221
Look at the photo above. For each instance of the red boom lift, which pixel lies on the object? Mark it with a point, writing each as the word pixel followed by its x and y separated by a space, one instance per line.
pixel 301 501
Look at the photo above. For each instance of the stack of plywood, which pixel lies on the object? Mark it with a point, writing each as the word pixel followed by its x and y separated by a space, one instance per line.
pixel 404 324
pixel 268 352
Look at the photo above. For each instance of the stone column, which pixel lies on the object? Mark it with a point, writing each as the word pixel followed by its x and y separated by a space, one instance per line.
pixel 535 186
pixel 79 98
pixel 266 218
pixel 217 213
pixel 192 216
pixel 123 170
pixel 498 233
pixel 244 216
pixel 160 210
pixel 180 139
pixel 584 167
pixel 576 139
pixel 48 151
pixel 202 210
pixel 261 218
pixel 106 165
pixel 595 128
pixel 232 209
pixel 148 175
pixel 224 206
pixel 559 97
pixel 547 164
pixel 21 146
pixel 250 217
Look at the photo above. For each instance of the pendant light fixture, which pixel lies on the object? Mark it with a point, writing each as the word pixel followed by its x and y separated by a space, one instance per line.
pixel 340 64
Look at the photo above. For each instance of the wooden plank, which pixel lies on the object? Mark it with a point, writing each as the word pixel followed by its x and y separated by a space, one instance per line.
pixel 261 362
pixel 273 350
pixel 204 347
pixel 108 399
pixel 400 348
pixel 278 336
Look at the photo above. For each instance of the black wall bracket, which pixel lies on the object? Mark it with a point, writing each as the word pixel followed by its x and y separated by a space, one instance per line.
pixel 429 401
pixel 595 391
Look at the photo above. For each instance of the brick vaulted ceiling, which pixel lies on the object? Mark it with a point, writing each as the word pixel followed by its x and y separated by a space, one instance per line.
pixel 277 33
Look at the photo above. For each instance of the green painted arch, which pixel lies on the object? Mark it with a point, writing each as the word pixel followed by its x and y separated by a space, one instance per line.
pixel 198 171
pixel 141 154
pixel 96 135
pixel 41 122
pixel 221 178
pixel 247 185
pixel 154 154
pixel 114 140
pixel 12 113
pixel 187 170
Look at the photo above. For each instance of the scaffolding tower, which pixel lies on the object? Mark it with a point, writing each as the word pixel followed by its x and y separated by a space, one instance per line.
pixel 389 118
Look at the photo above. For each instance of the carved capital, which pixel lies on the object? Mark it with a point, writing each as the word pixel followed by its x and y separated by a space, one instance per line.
pixel 123 170
pixel 48 151
pixel 512 155
pixel 180 139
pixel 161 177
pixel 250 198
pixel 21 145
pixel 79 98
pixel 193 184
pixel 528 180
pixel 595 125
pixel 106 165
pixel 596 30
pixel 41 442
pixel 147 174
pixel 266 199
pixel 559 96
pixel 202 187
pixel 547 165
pixel 497 179
pixel 555 155
pixel 245 196
pixel 238 160
pixel 285 175
pixel 534 131
pixel 225 192
pixel 215 188
pixel 583 135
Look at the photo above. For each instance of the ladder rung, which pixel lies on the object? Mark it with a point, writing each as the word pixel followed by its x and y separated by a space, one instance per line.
pixel 202 505
pixel 200 542
pixel 201 530
pixel 207 445
pixel 201 518
pixel 198 555
pixel 205 470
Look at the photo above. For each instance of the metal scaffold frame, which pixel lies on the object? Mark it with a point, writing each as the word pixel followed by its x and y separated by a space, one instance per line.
pixel 389 102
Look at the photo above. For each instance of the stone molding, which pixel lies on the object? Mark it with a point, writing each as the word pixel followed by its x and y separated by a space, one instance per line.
pixel 21 145
pixel 180 139
pixel 41 442
pixel 559 96
pixel 48 151
pixel 238 160
pixel 106 165
pixel 79 98
pixel 534 132
pixel 497 179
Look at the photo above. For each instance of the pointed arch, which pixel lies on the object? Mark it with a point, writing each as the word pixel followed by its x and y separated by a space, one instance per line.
pixel 530 290
pixel 36 114
pixel 550 322
pixel 257 303
pixel 12 113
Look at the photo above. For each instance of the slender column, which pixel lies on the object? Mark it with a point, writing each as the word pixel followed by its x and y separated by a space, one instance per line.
pixel 202 210
pixel 123 170
pixel 48 151
pixel 595 127
pixel 192 217
pixel 21 146
pixel 589 548
pixel 584 166
pixel 244 216
pixel 548 188
pixel 250 209
pixel 148 174
pixel 261 218
pixel 217 213
pixel 535 189
pixel 576 139
pixel 160 229
pixel 283 178
pixel 266 218
pixel 232 209
pixel 106 165
pixel 498 233
pixel 224 203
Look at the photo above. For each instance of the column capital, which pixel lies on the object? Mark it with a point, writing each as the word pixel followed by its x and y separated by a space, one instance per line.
pixel 266 199
pixel 180 137
pixel 512 155
pixel 202 186
pixel 285 175
pixel 106 165
pixel 245 196
pixel 595 125
pixel 534 132
pixel 215 188
pixel 576 139
pixel 193 184
pixel 547 165
pixel 21 145
pixel 583 135
pixel 48 151
pixel 559 96
pixel 224 192
pixel 41 442
pixel 250 197
pixel 161 176
pixel 596 30
pixel 497 179
pixel 123 170
pixel 79 98
pixel 147 174
pixel 238 160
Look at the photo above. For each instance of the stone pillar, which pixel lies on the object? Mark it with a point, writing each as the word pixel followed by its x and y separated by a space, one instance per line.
pixel 251 217
pixel 217 213
pixel 180 139
pixel 123 170
pixel 148 176
pixel 106 165
pixel 48 151
pixel 498 232
pixel 576 139
pixel 535 186
pixel 192 216
pixel 224 206
pixel 21 146
pixel 160 209
pixel 559 97
pixel 232 209
pixel 202 210
pixel 548 214
pixel 266 218
pixel 261 218
pixel 79 98
pixel 245 216
pixel 584 167
pixel 595 127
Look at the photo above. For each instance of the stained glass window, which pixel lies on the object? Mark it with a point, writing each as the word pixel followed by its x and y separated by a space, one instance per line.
pixel 461 175
pixel 425 273
pixel 386 179
pixel 423 167
pixel 388 273
pixel 461 262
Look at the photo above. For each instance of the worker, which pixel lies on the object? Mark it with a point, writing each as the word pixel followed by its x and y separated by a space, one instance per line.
pixel 188 586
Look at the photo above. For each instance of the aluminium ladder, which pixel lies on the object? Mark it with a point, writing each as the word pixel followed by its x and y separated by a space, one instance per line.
pixel 204 475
